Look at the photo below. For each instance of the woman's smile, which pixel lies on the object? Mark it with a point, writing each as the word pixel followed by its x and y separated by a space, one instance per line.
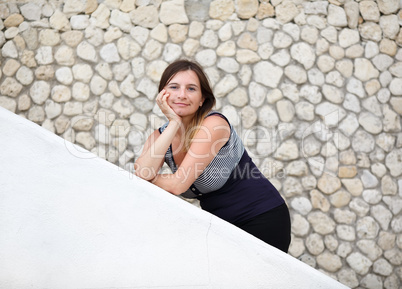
pixel 180 104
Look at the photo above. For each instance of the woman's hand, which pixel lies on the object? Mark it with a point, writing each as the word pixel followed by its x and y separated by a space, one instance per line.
pixel 161 100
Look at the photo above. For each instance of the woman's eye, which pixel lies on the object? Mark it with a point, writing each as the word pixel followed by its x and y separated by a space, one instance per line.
pixel 173 87
pixel 191 88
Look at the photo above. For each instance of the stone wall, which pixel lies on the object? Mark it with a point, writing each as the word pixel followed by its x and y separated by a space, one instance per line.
pixel 313 87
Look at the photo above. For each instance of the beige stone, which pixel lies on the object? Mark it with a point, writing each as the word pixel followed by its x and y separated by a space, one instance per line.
pixel 44 72
pixel 354 186
pixel 61 124
pixel 173 12
pixel 24 102
pixel 221 9
pixel 265 10
pixel 127 5
pixel 372 87
pixel 10 87
pixel 178 32
pixel 59 21
pixel 72 38
pixel 396 103
pixel 247 41
pixel 369 10
pixel 28 58
pixel 11 67
pixel 347 157
pixel 399 38
pixel 319 201
pixel 36 114
pixel 286 11
pixel 347 171
pixel 91 6
pixel 340 199
pixel 145 16
pixel 329 261
pixel 328 184
pixel 101 16
pixel 8 103
pixel 245 56
pixel 388 47
pixel 13 20
pixel 246 9
pixel 19 42
pixel 49 37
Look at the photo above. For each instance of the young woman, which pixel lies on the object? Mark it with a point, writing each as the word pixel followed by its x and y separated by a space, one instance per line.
pixel 208 160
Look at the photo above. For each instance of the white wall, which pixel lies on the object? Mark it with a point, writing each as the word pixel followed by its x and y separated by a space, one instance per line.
pixel 71 220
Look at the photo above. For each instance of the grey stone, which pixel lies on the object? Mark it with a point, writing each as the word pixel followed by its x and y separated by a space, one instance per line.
pixel 39 92
pixel 336 16
pixel 359 263
pixel 267 74
pixel 321 223
pixel 367 228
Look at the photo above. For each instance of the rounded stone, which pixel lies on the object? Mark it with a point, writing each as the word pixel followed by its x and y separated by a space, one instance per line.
pixel 360 207
pixel 359 263
pixel 25 75
pixel 296 74
pixel 367 228
pixel 328 184
pixel 301 205
pixel 87 52
pixel 363 142
pixel 64 75
pixel 61 93
pixel 321 223
pixel 206 57
pixel 228 65
pixel 348 276
pixel 39 92
pixel 8 103
pixel 238 97
pixel 319 201
pixel 285 110
pixel 329 261
pixel 98 85
pixel 340 199
pixel 300 225
pixel 36 114
pixel 315 244
pixel 24 102
pixel 267 74
pixel 52 109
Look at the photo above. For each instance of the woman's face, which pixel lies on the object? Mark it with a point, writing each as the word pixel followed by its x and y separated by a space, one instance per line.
pixel 185 96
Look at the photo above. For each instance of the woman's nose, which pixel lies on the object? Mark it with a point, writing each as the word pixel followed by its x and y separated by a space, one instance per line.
pixel 182 93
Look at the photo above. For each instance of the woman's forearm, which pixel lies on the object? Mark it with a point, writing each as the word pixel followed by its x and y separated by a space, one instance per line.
pixel 151 159
pixel 171 183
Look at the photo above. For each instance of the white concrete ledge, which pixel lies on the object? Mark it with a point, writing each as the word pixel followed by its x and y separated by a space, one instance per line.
pixel 71 220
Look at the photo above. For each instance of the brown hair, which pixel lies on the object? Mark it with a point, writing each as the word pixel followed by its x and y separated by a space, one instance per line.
pixel 207 94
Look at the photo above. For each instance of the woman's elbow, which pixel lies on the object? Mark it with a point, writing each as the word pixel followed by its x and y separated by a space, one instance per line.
pixel 177 190
pixel 145 173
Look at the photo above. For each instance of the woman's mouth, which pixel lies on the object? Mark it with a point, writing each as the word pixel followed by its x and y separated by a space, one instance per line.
pixel 181 104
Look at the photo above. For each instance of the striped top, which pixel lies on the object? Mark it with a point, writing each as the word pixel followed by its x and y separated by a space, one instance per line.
pixel 216 174
pixel 231 186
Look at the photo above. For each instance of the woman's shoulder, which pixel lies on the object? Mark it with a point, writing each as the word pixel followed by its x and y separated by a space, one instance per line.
pixel 215 119
pixel 217 116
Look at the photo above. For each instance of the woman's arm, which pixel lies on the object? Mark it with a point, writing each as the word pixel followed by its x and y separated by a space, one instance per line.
pixel 212 135
pixel 153 154
pixel 151 159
